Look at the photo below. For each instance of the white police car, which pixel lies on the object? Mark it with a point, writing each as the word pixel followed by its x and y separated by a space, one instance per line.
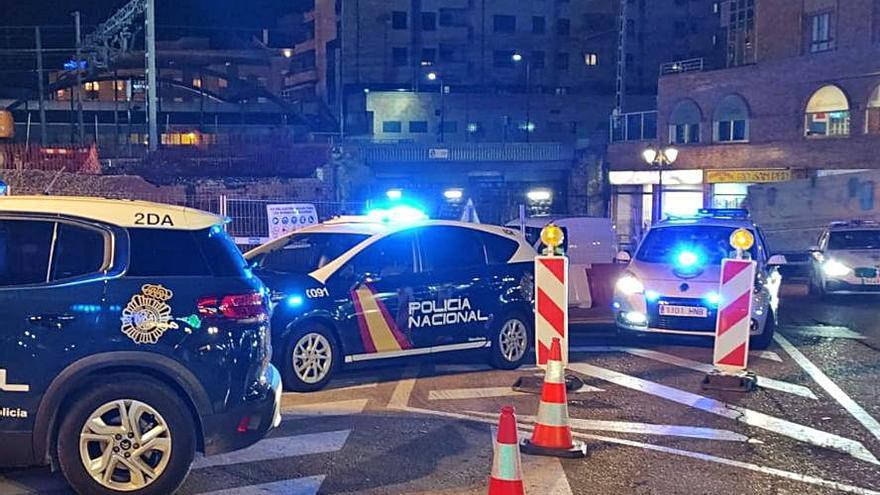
pixel 847 259
pixel 671 285
pixel 354 289
pixel 133 335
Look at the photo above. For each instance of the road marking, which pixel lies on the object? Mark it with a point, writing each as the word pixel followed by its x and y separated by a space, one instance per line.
pixel 540 474
pixel 674 360
pixel 812 480
pixel 640 428
pixel 346 388
pixel 861 415
pixel 404 388
pixel 472 393
pixel 827 331
pixel 741 414
pixel 279 447
pixel 298 486
pixel 769 355
pixel 337 408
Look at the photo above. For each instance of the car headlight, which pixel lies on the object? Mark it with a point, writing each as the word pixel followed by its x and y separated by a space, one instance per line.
pixel 629 284
pixel 834 268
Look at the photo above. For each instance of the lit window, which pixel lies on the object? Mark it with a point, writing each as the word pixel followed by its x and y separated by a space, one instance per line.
pixel 197 82
pixel 872 121
pixel 591 59
pixel 223 83
pixel 827 113
pixel 120 85
pixel 92 86
pixel 821 29
pixel 60 94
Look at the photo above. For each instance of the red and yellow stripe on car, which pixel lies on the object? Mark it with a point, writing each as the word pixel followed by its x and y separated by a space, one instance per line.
pixel 379 331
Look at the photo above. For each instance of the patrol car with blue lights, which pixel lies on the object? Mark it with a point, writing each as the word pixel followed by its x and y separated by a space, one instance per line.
pixel 671 285
pixel 133 336
pixel 358 289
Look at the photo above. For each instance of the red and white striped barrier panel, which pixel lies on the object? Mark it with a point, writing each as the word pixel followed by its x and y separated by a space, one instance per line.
pixel 551 306
pixel 734 315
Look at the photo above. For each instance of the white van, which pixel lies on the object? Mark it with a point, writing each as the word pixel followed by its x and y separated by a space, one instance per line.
pixel 591 246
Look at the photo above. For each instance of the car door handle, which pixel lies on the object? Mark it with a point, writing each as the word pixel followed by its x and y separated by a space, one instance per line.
pixel 51 320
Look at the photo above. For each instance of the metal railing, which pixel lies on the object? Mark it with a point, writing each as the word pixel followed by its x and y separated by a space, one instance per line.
pixel 679 66
pixel 634 126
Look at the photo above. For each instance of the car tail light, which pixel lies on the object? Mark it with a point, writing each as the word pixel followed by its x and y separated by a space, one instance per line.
pixel 234 307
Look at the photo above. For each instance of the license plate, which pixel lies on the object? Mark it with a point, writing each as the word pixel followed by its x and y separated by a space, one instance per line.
pixel 687 311
pixel 871 281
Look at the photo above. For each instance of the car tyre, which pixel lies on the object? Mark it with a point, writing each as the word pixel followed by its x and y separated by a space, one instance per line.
pixel 311 358
pixel 763 340
pixel 511 341
pixel 158 411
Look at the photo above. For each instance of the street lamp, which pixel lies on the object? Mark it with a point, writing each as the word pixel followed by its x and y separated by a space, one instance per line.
pixel 433 76
pixel 529 127
pixel 659 158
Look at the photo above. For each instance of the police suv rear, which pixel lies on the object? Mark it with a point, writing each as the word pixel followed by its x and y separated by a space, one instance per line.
pixel 671 285
pixel 357 290
pixel 133 336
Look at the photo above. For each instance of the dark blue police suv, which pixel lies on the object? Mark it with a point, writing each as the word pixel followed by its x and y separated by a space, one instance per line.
pixel 133 336
pixel 354 289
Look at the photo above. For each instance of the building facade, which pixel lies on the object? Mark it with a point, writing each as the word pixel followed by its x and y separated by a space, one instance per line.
pixel 801 98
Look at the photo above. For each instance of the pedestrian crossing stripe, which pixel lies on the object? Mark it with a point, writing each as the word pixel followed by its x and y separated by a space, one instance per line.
pixel 379 332
pixel 279 448
pixel 297 486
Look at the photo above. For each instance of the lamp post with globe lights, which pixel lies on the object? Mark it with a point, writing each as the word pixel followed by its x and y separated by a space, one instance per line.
pixel 529 127
pixel 659 158
pixel 433 76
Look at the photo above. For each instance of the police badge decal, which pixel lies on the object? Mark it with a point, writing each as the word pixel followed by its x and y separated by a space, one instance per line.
pixel 148 316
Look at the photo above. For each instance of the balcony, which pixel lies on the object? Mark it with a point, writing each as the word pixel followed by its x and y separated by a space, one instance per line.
pixel 474 152
pixel 680 66
pixel 635 126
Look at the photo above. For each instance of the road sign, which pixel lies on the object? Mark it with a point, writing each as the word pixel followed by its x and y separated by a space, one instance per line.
pixel 734 315
pixel 551 306
pixel 285 218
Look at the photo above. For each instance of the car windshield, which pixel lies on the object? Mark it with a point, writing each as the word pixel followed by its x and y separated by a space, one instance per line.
pixel 855 239
pixel 688 244
pixel 305 253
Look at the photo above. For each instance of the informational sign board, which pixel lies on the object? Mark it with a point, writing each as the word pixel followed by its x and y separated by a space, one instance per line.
pixel 734 315
pixel 551 306
pixel 285 218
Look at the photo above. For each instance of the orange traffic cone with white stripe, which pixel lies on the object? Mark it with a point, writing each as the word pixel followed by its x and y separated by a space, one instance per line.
pixel 506 478
pixel 552 435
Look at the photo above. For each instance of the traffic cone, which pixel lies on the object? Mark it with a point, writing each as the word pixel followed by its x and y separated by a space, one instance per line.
pixel 506 477
pixel 552 435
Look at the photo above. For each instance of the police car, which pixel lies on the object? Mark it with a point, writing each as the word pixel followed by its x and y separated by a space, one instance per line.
pixel 671 285
pixel 847 259
pixel 356 289
pixel 133 336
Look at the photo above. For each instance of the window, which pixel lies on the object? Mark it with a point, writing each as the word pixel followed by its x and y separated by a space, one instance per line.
pixel 391 126
pixel 447 52
pixel 504 23
pixel 399 56
pixel 563 27
pixel 827 113
pixel 445 248
pixel 24 251
pixel 502 58
pixel 429 56
pixel 449 127
pixel 418 126
pixel 591 59
pixel 537 59
pixel 710 244
pixel 165 253
pixel 305 253
pixel 684 123
pixel 539 24
pixel 389 256
pixel 197 82
pixel 429 21
pixel 78 251
pixel 872 121
pixel 562 61
pixel 819 28
pixel 498 249
pixel 398 20
pixel 731 120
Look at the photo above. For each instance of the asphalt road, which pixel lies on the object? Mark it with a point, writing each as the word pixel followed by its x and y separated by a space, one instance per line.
pixel 425 426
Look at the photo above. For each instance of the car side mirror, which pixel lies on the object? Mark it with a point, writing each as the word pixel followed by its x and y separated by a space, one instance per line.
pixel 777 259
pixel 622 257
pixel 814 249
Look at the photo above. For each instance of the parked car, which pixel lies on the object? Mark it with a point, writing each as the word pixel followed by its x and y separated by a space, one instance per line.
pixel 134 335
pixel 847 259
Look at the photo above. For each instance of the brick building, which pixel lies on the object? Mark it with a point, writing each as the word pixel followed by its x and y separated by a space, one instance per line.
pixel 800 98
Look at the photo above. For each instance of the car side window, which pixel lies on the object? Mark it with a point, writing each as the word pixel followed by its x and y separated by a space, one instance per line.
pixel 444 248
pixel 390 256
pixel 499 249
pixel 24 251
pixel 78 251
